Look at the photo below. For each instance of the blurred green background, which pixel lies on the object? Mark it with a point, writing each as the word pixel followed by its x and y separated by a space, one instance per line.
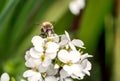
pixel 98 25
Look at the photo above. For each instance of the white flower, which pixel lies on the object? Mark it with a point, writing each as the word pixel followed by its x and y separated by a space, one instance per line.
pixel 86 67
pixel 32 75
pixel 71 66
pixel 76 65
pixel 4 77
pixel 44 45
pixel 65 39
pixel 52 49
pixel 75 71
pixel 38 60
pixel 41 55
pixel 68 57
pixel 76 5
pixel 78 70
pixel 38 43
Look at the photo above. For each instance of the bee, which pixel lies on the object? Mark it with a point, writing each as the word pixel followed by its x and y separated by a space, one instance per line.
pixel 47 29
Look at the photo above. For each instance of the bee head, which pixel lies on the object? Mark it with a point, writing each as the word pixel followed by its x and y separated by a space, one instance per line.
pixel 46 26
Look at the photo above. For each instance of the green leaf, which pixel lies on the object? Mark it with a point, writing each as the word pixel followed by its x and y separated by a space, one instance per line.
pixel 92 23
pixel 5 17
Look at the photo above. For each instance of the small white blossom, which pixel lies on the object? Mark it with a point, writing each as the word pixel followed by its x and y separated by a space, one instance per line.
pixel 44 45
pixel 75 71
pixel 32 75
pixel 76 5
pixel 41 55
pixel 68 57
pixel 52 49
pixel 65 40
pixel 4 77
pixel 38 43
pixel 72 67
pixel 38 60
pixel 86 66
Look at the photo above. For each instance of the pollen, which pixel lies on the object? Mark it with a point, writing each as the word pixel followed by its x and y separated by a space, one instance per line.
pixel 50 39
pixel 44 47
pixel 42 58
pixel 35 69
pixel 67 47
pixel 69 63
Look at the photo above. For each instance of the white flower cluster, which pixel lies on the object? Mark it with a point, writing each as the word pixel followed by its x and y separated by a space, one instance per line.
pixel 56 58
pixel 76 5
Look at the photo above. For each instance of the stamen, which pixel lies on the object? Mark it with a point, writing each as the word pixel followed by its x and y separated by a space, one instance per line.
pixel 42 58
pixel 69 63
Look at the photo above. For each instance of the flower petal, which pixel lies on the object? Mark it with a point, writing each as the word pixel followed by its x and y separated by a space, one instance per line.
pixel 38 42
pixel 68 79
pixel 4 77
pixel 47 61
pixel 72 46
pixel 86 66
pixel 42 69
pixel 51 78
pixel 51 47
pixel 66 56
pixel 62 55
pixel 36 77
pixel 28 73
pixel 34 53
pixel 73 69
pixel 84 56
pixel 30 63
pixel 51 55
pixel 63 74
pixel 78 43
pixel 33 62
pixel 67 35
pixel 27 55
pixel 74 56
pixel 51 70
pixel 32 75
pixel 63 43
